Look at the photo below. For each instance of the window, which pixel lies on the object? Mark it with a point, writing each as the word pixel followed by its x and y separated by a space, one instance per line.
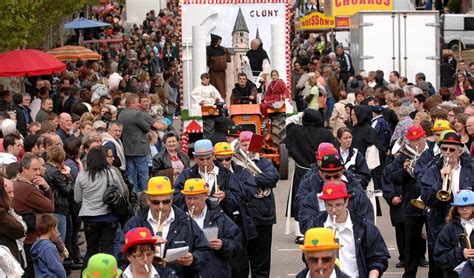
pixel 469 23
pixel 241 34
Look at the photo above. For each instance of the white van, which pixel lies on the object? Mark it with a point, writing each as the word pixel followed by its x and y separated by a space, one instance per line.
pixel 457 30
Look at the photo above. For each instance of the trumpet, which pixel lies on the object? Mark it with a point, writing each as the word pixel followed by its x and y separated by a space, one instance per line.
pixel 418 203
pixel 444 195
pixel 336 232
pixel 191 213
pixel 159 232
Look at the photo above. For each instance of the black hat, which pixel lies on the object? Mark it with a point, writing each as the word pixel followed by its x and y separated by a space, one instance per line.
pixel 312 117
pixel 234 130
pixel 376 109
pixel 331 163
pixel 451 137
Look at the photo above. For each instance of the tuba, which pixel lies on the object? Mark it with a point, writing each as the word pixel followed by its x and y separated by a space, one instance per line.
pixel 412 157
pixel 444 195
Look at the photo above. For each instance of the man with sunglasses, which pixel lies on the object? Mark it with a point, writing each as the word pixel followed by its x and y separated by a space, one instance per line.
pixel 223 153
pixel 363 252
pixel 225 191
pixel 174 228
pixel 320 252
pixel 455 164
pixel 225 243
pixel 262 209
pixel 332 170
pixel 397 174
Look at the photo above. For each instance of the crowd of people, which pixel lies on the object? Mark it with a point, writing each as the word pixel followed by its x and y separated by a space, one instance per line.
pixel 90 156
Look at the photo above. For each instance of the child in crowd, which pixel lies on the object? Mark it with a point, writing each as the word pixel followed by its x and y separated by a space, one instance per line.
pixel 152 139
pixel 46 260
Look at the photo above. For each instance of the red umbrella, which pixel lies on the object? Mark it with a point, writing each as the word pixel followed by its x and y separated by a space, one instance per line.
pixel 28 62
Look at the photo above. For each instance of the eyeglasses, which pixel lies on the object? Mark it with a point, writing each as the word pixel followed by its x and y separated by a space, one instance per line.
pixel 446 149
pixel 158 202
pixel 147 254
pixel 330 177
pixel 324 260
pixel 224 159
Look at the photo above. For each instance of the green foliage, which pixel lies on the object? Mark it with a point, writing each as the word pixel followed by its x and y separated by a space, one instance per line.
pixel 454 6
pixel 25 23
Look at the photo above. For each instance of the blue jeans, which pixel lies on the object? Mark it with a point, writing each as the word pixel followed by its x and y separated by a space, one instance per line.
pixel 137 170
pixel 329 107
pixel 62 225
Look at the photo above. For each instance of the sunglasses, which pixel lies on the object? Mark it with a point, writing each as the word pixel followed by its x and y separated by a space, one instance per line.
pixel 224 159
pixel 141 255
pixel 158 202
pixel 330 177
pixel 446 149
pixel 324 260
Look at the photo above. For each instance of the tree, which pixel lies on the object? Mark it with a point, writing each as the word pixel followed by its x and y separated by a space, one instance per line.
pixel 25 23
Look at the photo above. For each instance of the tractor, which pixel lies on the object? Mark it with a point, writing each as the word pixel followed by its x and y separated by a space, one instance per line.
pixel 249 117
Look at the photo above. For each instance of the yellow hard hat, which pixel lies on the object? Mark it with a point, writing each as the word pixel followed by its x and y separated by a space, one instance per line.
pixel 159 186
pixel 223 148
pixel 319 239
pixel 194 187
pixel 440 125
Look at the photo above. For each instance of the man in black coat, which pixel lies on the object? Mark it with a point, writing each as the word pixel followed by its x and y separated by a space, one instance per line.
pixel 223 234
pixel 22 111
pixel 262 209
pixel 320 252
pixel 244 91
pixel 174 228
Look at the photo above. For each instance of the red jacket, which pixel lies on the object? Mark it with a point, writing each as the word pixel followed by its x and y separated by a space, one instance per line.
pixel 276 91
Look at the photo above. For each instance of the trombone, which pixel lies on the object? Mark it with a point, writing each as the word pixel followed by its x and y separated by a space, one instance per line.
pixel 444 195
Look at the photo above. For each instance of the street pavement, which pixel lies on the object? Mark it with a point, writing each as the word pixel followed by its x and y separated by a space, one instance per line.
pixel 286 255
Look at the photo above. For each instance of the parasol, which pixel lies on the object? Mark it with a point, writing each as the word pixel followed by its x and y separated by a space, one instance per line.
pixel 28 62
pixel 84 23
pixel 73 53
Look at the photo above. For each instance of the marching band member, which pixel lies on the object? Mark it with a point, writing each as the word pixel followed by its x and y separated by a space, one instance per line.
pixel 227 192
pixel 223 153
pixel 174 228
pixel 208 215
pixel 262 209
pixel 401 173
pixel 320 251
pixel 352 159
pixel 139 250
pixel 331 170
pixel 456 171
pixel 454 242
pixel 363 252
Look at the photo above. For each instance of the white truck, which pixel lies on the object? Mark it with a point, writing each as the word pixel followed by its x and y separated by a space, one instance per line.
pixel 403 41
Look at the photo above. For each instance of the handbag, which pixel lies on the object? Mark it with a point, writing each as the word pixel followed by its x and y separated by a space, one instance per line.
pixel 115 198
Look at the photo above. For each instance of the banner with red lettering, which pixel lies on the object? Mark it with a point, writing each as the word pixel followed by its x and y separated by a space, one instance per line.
pixel 351 7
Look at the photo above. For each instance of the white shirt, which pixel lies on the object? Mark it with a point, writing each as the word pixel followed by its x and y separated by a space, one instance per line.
pixel 166 227
pixel 455 176
pixel 208 94
pixel 211 177
pixel 128 272
pixel 347 254
pixel 344 154
pixel 200 219
pixel 333 274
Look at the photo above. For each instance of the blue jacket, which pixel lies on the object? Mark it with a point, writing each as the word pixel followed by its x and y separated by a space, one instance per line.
pixel 244 219
pixel 183 232
pixel 229 233
pixel 400 178
pixel 431 182
pixel 389 192
pixel 234 192
pixel 357 165
pixel 359 205
pixel 46 259
pixel 448 252
pixel 311 181
pixel 371 251
pixel 425 161
pixel 263 210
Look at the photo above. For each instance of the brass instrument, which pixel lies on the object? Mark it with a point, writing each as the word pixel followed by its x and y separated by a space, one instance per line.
pixel 336 232
pixel 191 213
pixel 465 237
pixel 418 203
pixel 159 233
pixel 240 155
pixel 444 195
pixel 412 157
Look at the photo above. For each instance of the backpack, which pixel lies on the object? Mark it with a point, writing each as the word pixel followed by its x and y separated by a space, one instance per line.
pixel 384 132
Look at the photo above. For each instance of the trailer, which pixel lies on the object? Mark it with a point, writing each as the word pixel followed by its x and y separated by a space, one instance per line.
pixel 403 41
